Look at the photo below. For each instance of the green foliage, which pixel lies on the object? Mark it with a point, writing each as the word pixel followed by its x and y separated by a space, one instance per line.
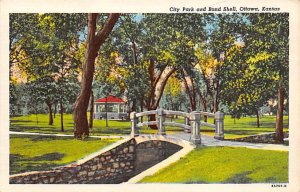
pixel 225 165
pixel 41 153
pixel 46 55
pixel 237 60
pixel 258 66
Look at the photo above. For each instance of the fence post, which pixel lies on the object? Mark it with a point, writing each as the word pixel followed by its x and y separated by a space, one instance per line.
pixel 195 132
pixel 134 121
pixel 219 122
pixel 187 122
pixel 161 120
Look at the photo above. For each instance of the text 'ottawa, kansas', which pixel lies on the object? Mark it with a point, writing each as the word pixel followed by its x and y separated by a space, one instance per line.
pixel 226 9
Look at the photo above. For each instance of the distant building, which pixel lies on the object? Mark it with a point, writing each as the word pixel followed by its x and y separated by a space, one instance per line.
pixel 113 107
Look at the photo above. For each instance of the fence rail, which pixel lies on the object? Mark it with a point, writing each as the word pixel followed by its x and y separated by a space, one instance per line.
pixel 192 122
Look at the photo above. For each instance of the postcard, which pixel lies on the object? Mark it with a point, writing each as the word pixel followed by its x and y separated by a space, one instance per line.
pixel 149 96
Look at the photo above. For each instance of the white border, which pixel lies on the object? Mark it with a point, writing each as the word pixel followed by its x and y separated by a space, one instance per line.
pixel 154 6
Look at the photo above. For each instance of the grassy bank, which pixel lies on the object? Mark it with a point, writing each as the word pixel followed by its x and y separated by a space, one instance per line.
pixel 225 165
pixel 33 153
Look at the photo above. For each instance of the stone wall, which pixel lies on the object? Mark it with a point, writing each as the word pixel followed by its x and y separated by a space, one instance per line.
pixel 261 138
pixel 149 153
pixel 113 166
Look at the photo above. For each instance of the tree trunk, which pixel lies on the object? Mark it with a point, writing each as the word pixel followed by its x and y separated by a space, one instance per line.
pixel 190 90
pixel 91 110
pixel 257 118
pixel 94 41
pixel 134 56
pixel 36 118
pixel 61 116
pixel 50 113
pixel 106 113
pixel 55 109
pixel 133 107
pixel 142 107
pixel 203 103
pixel 279 117
pixel 157 85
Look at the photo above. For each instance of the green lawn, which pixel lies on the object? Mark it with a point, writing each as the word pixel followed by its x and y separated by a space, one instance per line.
pixel 242 127
pixel 115 127
pixel 225 165
pixel 33 153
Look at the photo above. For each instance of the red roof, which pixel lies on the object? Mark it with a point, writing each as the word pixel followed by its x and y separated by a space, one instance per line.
pixel 111 99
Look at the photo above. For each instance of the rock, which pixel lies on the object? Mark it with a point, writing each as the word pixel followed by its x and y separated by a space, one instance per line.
pixel 51 179
pixel 131 149
pixel 83 173
pixel 125 150
pixel 91 173
pixel 94 167
pixel 115 165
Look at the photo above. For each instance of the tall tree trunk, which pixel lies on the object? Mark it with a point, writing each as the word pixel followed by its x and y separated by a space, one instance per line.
pixel 62 116
pixel 49 104
pixel 106 113
pixel 36 118
pixel 157 85
pixel 190 90
pixel 142 106
pixel 133 107
pixel 94 40
pixel 91 110
pixel 55 109
pixel 279 117
pixel 203 103
pixel 257 118
pixel 134 56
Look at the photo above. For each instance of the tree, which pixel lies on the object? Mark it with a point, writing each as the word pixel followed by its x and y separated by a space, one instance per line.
pixel 45 52
pixel 95 39
pixel 270 35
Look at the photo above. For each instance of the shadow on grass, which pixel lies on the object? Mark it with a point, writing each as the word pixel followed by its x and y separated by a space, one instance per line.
pixel 195 182
pixel 254 125
pixel 112 131
pixel 240 178
pixel 18 128
pixel 20 164
pixel 245 132
pixel 20 121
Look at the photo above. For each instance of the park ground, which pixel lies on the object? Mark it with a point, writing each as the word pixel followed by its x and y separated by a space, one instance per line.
pixel 209 164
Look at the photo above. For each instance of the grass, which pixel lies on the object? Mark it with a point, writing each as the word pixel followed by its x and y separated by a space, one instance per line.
pixel 225 165
pixel 247 126
pixel 242 127
pixel 34 153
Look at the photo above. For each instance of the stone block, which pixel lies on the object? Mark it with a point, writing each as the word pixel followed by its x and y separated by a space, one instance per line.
pixel 115 165
pixel 51 180
pixel 78 168
pixel 91 173
pixel 131 149
pixel 99 166
pixel 46 181
pixel 125 150
pixel 82 173
pixel 93 168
